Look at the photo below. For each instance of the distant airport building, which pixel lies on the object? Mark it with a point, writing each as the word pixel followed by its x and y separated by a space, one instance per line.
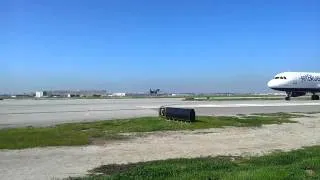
pixel 39 94
pixel 118 94
pixel 76 93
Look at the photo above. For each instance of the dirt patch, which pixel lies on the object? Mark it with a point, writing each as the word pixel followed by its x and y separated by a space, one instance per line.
pixel 310 172
pixel 61 162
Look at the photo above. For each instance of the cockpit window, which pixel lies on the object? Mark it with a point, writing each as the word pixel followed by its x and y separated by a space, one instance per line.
pixel 281 77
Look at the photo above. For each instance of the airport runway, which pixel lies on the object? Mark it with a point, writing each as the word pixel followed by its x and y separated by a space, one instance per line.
pixel 20 113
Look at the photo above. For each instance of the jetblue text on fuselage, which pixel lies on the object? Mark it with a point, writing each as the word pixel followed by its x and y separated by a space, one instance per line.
pixel 309 77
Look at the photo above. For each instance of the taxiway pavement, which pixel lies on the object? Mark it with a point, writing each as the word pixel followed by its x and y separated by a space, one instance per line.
pixel 20 113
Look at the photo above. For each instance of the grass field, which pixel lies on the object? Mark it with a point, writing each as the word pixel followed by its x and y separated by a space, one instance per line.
pixel 294 165
pixel 231 98
pixel 73 134
pixel 238 98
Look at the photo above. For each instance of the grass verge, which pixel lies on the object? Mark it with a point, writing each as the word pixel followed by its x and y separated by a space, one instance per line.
pixel 73 134
pixel 297 164
pixel 231 98
pixel 237 98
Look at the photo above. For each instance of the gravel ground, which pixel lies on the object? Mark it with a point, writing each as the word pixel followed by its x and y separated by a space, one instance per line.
pixel 61 162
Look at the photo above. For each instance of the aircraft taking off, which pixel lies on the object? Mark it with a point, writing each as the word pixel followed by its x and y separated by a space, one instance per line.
pixel 297 84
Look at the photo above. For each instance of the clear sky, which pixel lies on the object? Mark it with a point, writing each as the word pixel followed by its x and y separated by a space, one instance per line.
pixel 174 45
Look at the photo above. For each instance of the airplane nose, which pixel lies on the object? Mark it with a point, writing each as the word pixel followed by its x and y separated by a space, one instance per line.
pixel 272 84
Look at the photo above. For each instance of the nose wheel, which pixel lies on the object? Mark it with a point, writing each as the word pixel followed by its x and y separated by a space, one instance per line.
pixel 315 97
pixel 288 96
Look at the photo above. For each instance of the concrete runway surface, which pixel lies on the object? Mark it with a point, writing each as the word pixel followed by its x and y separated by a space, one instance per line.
pixel 19 113
pixel 61 162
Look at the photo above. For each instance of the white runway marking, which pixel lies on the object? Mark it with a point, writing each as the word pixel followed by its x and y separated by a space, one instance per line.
pixel 234 105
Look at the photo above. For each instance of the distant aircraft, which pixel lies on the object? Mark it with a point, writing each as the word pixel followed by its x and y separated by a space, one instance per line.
pixel 154 92
pixel 297 84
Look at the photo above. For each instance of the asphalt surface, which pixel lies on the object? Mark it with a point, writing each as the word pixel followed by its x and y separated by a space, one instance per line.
pixel 20 113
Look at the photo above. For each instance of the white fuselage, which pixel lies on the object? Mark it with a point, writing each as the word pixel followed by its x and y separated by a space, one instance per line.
pixel 296 82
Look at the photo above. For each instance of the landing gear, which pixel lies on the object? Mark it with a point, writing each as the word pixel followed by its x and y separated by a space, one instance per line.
pixel 314 97
pixel 288 96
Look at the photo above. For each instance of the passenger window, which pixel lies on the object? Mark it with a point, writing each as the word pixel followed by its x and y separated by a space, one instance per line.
pixel 281 77
pixel 277 78
pixel 284 77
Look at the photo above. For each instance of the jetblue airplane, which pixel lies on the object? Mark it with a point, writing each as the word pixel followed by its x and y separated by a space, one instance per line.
pixel 297 84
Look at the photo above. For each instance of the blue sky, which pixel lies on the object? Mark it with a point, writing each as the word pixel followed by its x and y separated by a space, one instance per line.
pixel 177 46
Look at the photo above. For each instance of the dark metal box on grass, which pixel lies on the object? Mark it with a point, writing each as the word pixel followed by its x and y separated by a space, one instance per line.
pixel 182 114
